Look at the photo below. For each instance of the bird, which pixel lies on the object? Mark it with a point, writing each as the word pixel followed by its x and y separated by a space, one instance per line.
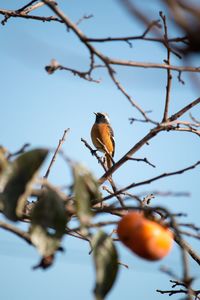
pixel 102 136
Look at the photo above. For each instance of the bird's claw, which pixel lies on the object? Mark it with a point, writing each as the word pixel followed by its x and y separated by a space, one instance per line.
pixel 93 151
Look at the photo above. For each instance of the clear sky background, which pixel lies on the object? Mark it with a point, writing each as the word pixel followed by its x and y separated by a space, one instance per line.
pixel 37 107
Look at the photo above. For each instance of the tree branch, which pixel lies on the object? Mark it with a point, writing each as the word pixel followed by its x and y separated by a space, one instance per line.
pixel 20 233
pixel 144 160
pixel 148 181
pixel 184 110
pixel 162 126
pixel 14 14
pixel 169 76
pixel 61 141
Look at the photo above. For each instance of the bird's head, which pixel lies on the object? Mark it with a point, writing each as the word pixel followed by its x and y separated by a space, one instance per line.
pixel 102 117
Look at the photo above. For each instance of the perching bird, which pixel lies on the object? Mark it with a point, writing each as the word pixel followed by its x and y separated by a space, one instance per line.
pixel 103 137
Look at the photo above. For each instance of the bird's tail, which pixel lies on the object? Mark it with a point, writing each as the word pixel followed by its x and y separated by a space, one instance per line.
pixel 109 161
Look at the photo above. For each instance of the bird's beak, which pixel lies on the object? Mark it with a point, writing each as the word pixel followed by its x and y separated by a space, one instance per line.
pixel 95 114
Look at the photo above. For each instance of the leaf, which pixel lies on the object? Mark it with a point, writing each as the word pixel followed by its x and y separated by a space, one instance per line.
pixel 16 180
pixel 3 167
pixel 86 192
pixel 106 263
pixel 48 221
pixel 3 159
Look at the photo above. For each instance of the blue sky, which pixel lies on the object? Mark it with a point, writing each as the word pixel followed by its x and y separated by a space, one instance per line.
pixel 37 107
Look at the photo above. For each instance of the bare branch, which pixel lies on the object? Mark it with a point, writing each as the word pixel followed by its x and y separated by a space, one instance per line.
pixel 138 37
pixel 190 129
pixel 187 290
pixel 144 160
pixel 130 99
pixel 169 76
pixel 20 233
pixel 172 292
pixel 93 152
pixel 190 225
pixel 85 17
pixel 61 141
pixel 14 14
pixel 130 63
pixel 190 234
pixel 184 110
pixel 127 156
pixel 20 151
pixel 165 193
pixel 197 122
pixel 179 78
pixel 54 66
pixel 148 181
pixel 28 8
pixel 169 272
pixel 133 11
pixel 190 250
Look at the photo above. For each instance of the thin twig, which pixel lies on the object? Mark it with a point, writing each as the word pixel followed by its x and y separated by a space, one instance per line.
pixel 26 5
pixel 85 17
pixel 87 75
pixel 165 193
pixel 190 225
pixel 130 63
pixel 94 152
pixel 61 141
pixel 20 151
pixel 133 38
pixel 28 8
pixel 190 250
pixel 190 234
pixel 130 99
pixel 169 75
pixel 142 159
pixel 184 110
pixel 14 14
pixel 20 233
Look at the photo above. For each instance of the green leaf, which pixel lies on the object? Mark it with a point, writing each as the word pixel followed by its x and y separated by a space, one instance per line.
pixel 48 221
pixel 16 180
pixel 86 192
pixel 106 263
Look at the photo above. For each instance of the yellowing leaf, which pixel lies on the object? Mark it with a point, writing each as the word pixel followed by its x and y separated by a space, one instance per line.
pixel 3 166
pixel 16 179
pixel 48 221
pixel 3 159
pixel 44 242
pixel 106 263
pixel 86 192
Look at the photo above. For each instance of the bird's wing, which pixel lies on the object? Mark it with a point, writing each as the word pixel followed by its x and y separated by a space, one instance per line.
pixel 112 139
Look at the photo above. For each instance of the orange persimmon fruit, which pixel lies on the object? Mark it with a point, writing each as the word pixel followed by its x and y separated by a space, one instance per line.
pixel 148 239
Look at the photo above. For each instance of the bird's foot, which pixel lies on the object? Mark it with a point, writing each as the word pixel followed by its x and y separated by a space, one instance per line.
pixel 93 151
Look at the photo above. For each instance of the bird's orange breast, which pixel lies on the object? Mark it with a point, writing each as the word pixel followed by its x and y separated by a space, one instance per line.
pixel 102 132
